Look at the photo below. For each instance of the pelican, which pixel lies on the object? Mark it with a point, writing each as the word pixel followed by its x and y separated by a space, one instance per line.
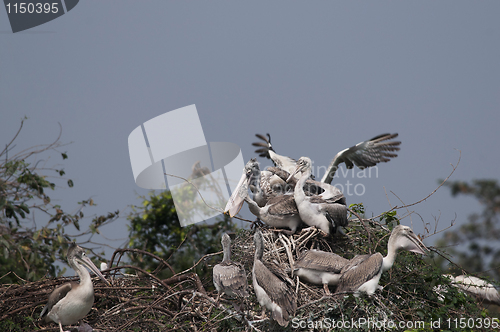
pixel 229 277
pixel 479 288
pixel 320 267
pixel 364 154
pixel 263 184
pixel 270 183
pixel 273 288
pixel 72 301
pixel 362 273
pixel 315 210
pixel 279 212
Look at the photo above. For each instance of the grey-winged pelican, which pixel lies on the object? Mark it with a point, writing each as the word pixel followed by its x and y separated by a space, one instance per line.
pixel 72 301
pixel 273 288
pixel 230 277
pixel 315 210
pixel 320 268
pixel 263 185
pixel 364 154
pixel 362 273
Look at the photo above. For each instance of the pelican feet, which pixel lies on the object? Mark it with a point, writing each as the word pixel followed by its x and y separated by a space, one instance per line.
pixel 256 223
pixel 84 327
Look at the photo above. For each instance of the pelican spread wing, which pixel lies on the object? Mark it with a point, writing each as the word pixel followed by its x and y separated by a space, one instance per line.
pixel 364 154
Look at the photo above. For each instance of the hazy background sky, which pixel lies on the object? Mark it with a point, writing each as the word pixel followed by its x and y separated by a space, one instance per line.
pixel 319 76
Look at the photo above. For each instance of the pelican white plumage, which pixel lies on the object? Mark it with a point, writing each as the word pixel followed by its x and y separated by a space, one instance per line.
pixel 72 301
pixel 479 288
pixel 364 154
pixel 362 273
pixel 273 288
pixel 317 211
pixel 320 268
pixel 230 277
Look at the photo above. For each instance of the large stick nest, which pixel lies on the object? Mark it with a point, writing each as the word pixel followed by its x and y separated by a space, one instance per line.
pixel 143 302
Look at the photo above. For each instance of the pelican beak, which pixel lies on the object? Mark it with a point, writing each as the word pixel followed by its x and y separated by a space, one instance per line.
pixel 297 169
pixel 417 245
pixel 236 200
pixel 88 263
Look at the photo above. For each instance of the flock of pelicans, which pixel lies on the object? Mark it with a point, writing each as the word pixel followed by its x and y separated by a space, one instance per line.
pixel 284 196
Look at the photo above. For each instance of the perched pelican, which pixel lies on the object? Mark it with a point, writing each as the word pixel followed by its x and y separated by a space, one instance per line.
pixel 229 277
pixel 364 154
pixel 268 184
pixel 320 268
pixel 273 288
pixel 479 288
pixel 363 272
pixel 72 301
pixel 315 210
pixel 279 212
pixel 263 184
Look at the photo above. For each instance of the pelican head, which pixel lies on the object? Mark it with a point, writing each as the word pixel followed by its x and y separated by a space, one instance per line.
pixel 76 255
pixel 403 238
pixel 303 164
pixel 225 241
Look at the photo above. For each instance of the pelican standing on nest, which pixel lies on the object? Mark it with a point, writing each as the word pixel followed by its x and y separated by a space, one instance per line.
pixel 363 272
pixel 320 268
pixel 279 212
pixel 315 210
pixel 72 301
pixel 479 288
pixel 273 288
pixel 229 277
pixel 364 154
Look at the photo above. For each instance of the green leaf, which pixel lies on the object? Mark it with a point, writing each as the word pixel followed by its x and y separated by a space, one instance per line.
pixel 64 155
pixel 70 183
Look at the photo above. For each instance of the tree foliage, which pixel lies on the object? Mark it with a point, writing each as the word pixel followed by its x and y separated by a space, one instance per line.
pixel 26 184
pixel 155 227
pixel 475 246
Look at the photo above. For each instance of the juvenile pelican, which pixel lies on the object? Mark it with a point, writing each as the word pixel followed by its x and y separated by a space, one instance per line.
pixel 320 268
pixel 479 288
pixel 273 288
pixel 364 154
pixel 363 272
pixel 315 210
pixel 279 212
pixel 263 184
pixel 229 277
pixel 72 301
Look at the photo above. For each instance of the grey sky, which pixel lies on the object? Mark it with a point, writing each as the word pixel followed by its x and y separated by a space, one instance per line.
pixel 318 76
